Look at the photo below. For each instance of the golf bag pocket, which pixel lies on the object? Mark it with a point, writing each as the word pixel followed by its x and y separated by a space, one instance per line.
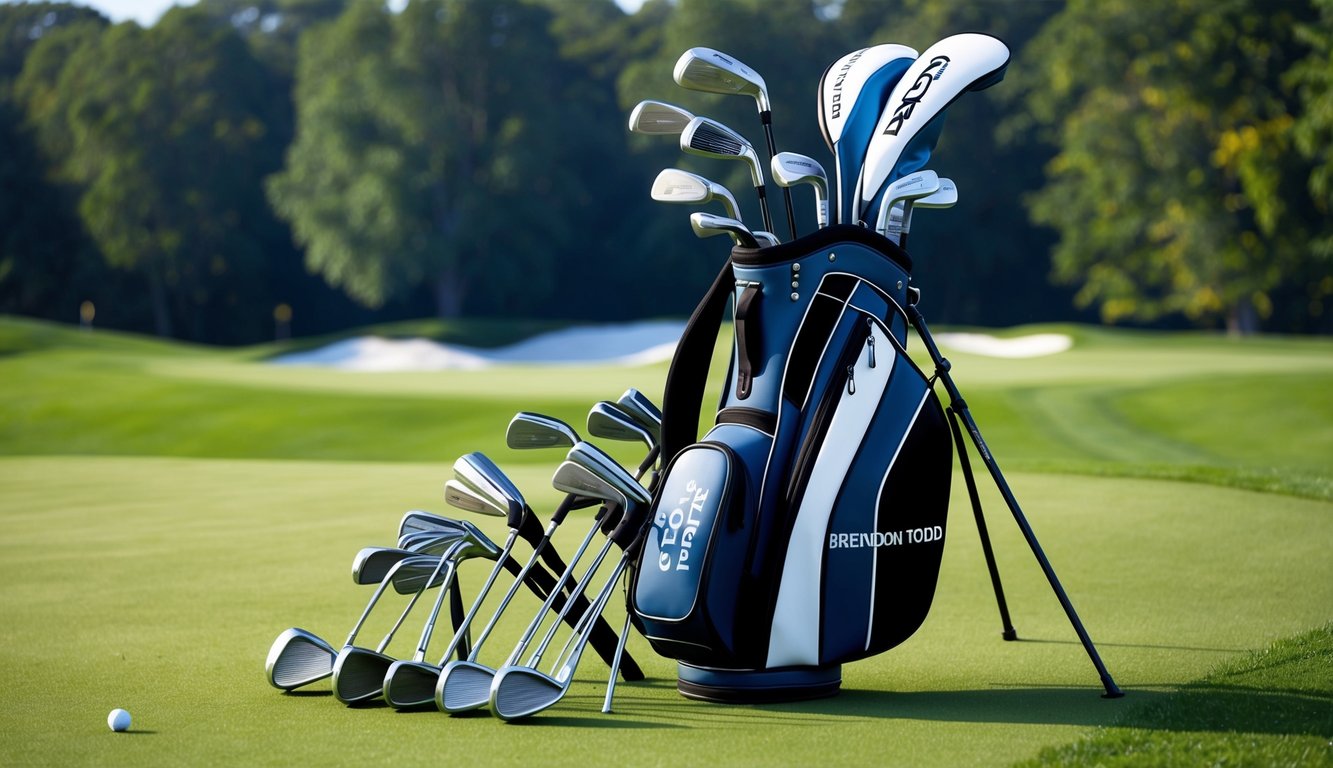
pixel 694 555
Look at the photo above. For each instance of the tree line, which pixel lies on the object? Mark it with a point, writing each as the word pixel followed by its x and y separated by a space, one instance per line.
pixel 327 163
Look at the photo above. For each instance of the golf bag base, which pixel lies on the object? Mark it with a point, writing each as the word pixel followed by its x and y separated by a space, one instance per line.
pixel 768 686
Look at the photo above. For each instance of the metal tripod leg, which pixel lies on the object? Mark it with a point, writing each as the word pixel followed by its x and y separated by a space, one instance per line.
pixel 1008 633
pixel 959 406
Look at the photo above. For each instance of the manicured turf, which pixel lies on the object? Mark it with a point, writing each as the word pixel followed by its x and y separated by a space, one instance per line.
pixel 168 510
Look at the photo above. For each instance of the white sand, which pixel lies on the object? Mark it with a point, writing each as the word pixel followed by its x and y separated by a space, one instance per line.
pixel 625 344
pixel 1035 345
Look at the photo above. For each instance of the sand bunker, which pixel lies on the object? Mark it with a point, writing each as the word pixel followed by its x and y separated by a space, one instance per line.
pixel 625 344
pixel 1035 345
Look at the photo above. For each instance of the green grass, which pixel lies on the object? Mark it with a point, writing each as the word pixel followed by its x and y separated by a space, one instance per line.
pixel 168 509
pixel 1274 707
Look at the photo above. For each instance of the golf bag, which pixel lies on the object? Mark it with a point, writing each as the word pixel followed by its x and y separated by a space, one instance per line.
pixel 806 528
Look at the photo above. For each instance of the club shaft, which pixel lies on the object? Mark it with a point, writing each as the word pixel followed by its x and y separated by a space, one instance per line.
pixel 767 119
pixel 578 589
pixel 513 589
pixel 374 599
pixel 615 663
pixel 462 630
pixel 429 628
pixel 536 622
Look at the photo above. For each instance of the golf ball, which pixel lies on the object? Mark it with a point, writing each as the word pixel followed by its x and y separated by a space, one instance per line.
pixel 118 720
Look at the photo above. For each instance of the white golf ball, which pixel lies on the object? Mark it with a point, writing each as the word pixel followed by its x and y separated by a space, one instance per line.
pixel 118 720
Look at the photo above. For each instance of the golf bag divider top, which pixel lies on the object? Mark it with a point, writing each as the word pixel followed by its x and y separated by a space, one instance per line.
pixel 805 529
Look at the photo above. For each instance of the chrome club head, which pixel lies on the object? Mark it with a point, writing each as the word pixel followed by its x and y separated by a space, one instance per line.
pixel 608 421
pixel 658 117
pixel 790 169
pixel 644 411
pixel 708 225
pixel 533 430
pixel 709 138
pixel 478 473
pixel 911 187
pixel 596 461
pixel 673 185
pixel 711 71
pixel 579 480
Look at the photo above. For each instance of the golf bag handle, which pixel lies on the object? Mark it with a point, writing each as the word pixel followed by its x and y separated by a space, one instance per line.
pixel 683 396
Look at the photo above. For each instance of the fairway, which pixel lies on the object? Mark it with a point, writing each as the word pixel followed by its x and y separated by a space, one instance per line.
pixel 168 510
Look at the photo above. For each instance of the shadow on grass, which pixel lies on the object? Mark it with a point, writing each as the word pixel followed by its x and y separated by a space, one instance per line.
pixel 1141 646
pixel 1047 706
pixel 1223 708
pixel 1200 707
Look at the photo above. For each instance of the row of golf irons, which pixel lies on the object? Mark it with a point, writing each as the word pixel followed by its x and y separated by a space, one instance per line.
pixel 431 546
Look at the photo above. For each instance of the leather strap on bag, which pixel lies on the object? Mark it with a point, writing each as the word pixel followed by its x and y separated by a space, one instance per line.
pixel 688 375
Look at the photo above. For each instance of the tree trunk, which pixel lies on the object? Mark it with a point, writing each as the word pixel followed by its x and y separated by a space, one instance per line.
pixel 1242 320
pixel 449 291
pixel 157 294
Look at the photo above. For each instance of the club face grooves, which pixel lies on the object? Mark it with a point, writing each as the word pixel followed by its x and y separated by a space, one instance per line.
pixel 298 658
pixel 519 692
pixel 410 684
pixel 464 686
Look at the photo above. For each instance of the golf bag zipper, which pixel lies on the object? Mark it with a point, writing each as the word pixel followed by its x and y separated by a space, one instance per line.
pixel 870 341
pixel 845 369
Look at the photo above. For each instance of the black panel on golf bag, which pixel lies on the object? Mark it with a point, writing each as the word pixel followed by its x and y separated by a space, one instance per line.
pixel 806 528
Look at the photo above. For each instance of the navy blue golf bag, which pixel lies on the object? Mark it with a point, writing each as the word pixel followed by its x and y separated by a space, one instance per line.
pixel 805 529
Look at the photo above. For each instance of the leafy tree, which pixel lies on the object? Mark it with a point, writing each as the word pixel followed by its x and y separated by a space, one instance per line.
pixel 47 264
pixel 22 25
pixel 1312 78
pixel 430 150
pixel 1177 187
pixel 274 27
pixel 160 128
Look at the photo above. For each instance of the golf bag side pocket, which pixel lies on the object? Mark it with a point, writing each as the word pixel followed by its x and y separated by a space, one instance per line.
pixel 695 554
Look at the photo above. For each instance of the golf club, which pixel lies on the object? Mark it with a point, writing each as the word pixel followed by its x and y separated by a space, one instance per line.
pixel 649 416
pixel 299 657
pixel 417 521
pixel 658 118
pixel 900 219
pixel 852 94
pixel 711 71
pixel 673 185
pixel 601 478
pixel 912 119
pixel 465 684
pixel 359 673
pixel 708 225
pixel 533 430
pixel 906 189
pixel 519 691
pixel 709 138
pixel 790 169
pixel 409 684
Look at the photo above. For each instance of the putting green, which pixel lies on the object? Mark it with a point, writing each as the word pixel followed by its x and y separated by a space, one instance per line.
pixel 167 510
pixel 157 584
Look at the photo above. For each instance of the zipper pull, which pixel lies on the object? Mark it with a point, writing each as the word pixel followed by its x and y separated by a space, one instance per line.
pixel 870 342
pixel 851 379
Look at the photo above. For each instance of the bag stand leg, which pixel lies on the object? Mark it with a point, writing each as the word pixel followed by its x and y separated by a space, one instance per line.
pixel 958 406
pixel 1009 633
